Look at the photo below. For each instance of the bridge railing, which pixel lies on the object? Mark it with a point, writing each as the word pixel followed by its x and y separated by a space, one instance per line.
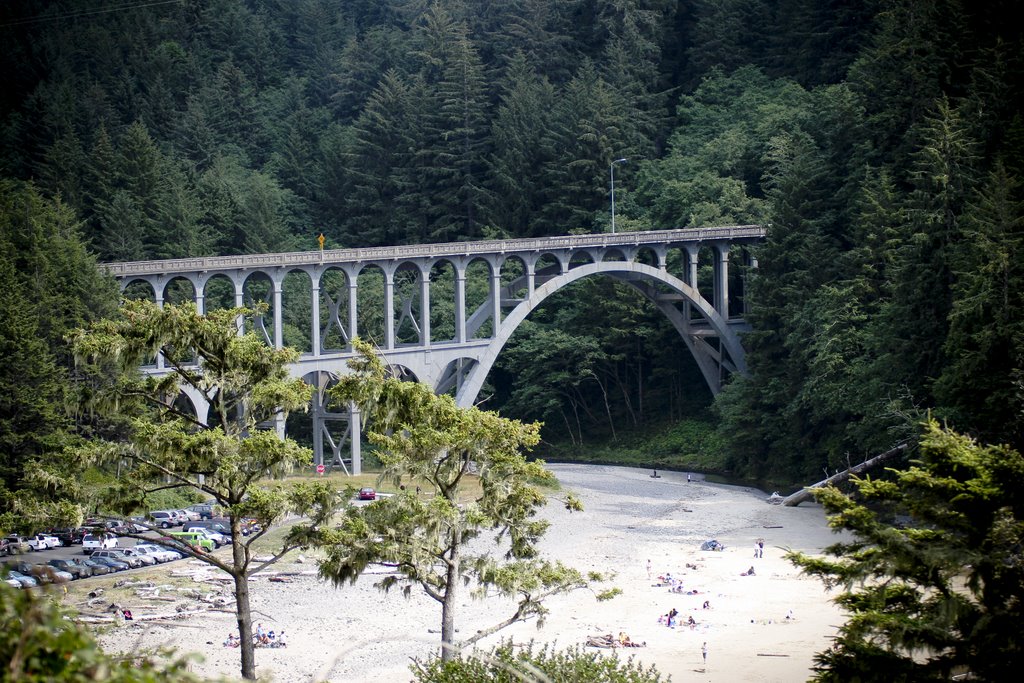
pixel 362 254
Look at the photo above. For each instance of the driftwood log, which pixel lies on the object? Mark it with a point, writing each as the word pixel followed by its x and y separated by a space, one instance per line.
pixel 806 493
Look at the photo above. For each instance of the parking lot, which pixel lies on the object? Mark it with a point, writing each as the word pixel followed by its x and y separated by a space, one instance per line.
pixel 76 552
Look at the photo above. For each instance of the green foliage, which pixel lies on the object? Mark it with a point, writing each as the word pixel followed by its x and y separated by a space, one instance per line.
pixel 51 284
pixel 507 664
pixel 687 444
pixel 40 643
pixel 942 595
pixel 428 441
pixel 217 447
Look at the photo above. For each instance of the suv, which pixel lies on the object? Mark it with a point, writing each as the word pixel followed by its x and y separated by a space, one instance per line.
pixel 17 544
pixel 164 518
pixel 117 554
pixel 203 510
pixel 98 541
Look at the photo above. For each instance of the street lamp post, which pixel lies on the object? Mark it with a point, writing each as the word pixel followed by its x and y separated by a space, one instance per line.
pixel 611 168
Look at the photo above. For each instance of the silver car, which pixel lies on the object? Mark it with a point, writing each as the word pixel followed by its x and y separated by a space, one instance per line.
pixel 141 555
pixel 25 581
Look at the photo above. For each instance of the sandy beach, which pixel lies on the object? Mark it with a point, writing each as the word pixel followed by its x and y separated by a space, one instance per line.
pixel 356 633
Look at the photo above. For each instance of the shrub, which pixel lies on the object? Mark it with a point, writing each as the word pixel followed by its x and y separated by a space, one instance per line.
pixel 506 664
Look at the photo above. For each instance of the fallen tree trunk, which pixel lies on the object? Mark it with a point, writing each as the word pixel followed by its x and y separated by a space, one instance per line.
pixel 806 493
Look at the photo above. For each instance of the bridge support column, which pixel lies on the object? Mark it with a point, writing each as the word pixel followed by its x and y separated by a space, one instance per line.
pixel 425 308
pixel 355 436
pixel 353 302
pixel 722 281
pixel 278 309
pixel 495 300
pixel 314 318
pixel 460 304
pixel 531 278
pixel 746 281
pixel 159 297
pixel 333 455
pixel 389 309
pixel 692 257
pixel 240 301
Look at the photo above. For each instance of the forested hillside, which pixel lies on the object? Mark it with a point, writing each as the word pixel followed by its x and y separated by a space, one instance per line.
pixel 880 140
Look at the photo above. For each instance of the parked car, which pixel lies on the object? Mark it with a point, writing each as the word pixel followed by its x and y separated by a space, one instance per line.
pixel 43 573
pixel 138 525
pixel 171 552
pixel 194 539
pixel 17 544
pixel 221 526
pixel 96 567
pixel 367 493
pixel 144 557
pixel 98 541
pixel 25 580
pixel 13 583
pixel 217 538
pixel 83 562
pixel 164 519
pixel 204 511
pixel 4 546
pixel 70 566
pixel 114 565
pixel 156 552
pixel 188 516
pixel 119 555
pixel 43 542
pixel 68 536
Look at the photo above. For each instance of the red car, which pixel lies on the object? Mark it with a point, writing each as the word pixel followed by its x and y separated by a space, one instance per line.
pixel 367 493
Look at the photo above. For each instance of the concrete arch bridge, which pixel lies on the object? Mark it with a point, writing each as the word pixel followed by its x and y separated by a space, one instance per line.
pixel 441 313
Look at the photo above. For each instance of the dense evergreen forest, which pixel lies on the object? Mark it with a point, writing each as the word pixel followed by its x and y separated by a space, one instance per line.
pixel 881 141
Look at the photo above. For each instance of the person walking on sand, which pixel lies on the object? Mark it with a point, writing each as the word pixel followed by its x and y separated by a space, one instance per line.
pixel 760 548
pixel 648 569
pixel 704 654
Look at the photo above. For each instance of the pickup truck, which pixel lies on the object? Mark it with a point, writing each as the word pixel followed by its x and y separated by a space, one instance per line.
pixel 98 541
pixel 43 542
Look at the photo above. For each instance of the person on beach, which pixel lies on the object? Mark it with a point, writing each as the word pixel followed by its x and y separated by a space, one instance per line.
pixel 704 654
pixel 749 572
pixel 760 548
pixel 648 569
pixel 707 604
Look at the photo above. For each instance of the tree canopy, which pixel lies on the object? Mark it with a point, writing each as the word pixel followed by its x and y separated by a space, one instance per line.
pixel 942 592
pixel 430 449
pixel 221 446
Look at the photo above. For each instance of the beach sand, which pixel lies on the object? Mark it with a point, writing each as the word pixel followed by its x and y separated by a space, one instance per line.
pixel 356 633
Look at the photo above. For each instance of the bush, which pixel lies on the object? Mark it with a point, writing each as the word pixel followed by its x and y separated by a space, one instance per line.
pixel 39 643
pixel 505 664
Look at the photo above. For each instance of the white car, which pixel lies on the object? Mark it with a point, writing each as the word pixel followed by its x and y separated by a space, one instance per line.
pixel 144 557
pixel 161 554
pixel 43 542
pixel 98 541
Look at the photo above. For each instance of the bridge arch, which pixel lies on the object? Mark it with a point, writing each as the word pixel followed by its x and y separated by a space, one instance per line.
pixel 638 275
